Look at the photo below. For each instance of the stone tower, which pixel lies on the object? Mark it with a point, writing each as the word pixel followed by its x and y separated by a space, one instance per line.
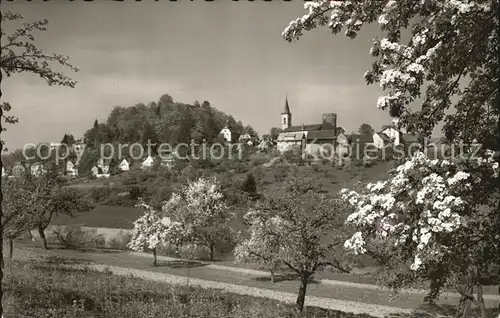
pixel 329 121
pixel 286 116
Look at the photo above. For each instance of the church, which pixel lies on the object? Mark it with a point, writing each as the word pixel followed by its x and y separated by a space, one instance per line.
pixel 309 137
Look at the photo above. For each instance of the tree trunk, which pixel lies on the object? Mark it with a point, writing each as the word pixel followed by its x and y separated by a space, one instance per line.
pixel 31 236
pixel 154 255
pixel 11 248
pixel 301 298
pixel 42 236
pixel 1 210
pixel 465 305
pixel 272 275
pixel 212 248
pixel 480 301
pixel 498 303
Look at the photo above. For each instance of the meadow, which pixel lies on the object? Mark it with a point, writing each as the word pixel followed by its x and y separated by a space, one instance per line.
pixel 45 288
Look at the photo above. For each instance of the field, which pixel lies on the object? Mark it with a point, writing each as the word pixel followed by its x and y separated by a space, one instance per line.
pixel 329 178
pixel 68 283
pixel 105 216
pixel 42 289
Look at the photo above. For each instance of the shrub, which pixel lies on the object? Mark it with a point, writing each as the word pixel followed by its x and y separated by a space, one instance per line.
pixel 135 192
pixel 249 185
pixel 100 194
pixel 75 236
pixel 120 241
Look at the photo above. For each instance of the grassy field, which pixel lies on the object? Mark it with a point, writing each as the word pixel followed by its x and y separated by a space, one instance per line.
pixel 105 216
pixel 38 285
pixel 46 289
pixel 331 180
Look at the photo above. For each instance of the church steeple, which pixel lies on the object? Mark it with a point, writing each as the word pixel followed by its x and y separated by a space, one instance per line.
pixel 286 115
pixel 287 107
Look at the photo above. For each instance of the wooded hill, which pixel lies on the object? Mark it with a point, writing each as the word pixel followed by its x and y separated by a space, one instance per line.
pixel 165 121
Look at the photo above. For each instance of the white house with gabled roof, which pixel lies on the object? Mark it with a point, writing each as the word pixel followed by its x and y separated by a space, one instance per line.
pixel 124 165
pixel 147 163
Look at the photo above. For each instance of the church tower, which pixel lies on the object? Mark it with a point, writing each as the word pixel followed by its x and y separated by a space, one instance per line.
pixel 286 116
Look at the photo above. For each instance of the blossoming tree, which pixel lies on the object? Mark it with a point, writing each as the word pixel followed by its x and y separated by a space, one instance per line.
pixel 435 220
pixel 205 213
pixel 304 230
pixel 260 247
pixel 197 214
pixel 146 233
pixel 450 60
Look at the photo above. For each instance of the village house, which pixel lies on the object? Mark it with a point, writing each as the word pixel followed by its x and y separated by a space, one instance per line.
pixel 124 165
pixel 343 145
pixel 37 169
pixel 168 161
pixel 227 134
pixel 381 140
pixel 264 145
pixel 245 137
pixel 393 133
pixel 103 165
pixel 395 136
pixel 147 163
pixel 71 169
pixel 78 146
pixel 54 145
pixel 98 172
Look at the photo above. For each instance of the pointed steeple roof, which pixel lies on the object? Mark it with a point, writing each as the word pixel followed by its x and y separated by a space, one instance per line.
pixel 287 108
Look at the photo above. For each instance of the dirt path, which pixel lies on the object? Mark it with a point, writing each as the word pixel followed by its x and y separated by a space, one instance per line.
pixel 323 281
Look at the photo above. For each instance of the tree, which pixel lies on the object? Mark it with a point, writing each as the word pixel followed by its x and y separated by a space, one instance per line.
pixel 450 61
pixel 206 214
pixel 366 129
pixel 260 247
pixel 250 185
pixel 452 55
pixel 68 140
pixel 274 133
pixel 432 219
pixel 46 198
pixel 96 134
pixel 197 214
pixel 149 136
pixel 19 54
pixel 145 233
pixel 114 166
pixel 304 227
pixel 15 220
pixel 249 130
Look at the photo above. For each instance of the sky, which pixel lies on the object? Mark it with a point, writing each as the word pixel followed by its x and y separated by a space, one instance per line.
pixel 229 53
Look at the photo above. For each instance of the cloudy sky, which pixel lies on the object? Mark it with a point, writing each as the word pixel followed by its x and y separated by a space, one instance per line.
pixel 229 53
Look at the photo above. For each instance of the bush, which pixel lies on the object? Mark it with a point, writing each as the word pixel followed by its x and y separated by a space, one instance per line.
pixel 249 185
pixel 120 241
pixel 75 237
pixel 135 192
pixel 100 194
